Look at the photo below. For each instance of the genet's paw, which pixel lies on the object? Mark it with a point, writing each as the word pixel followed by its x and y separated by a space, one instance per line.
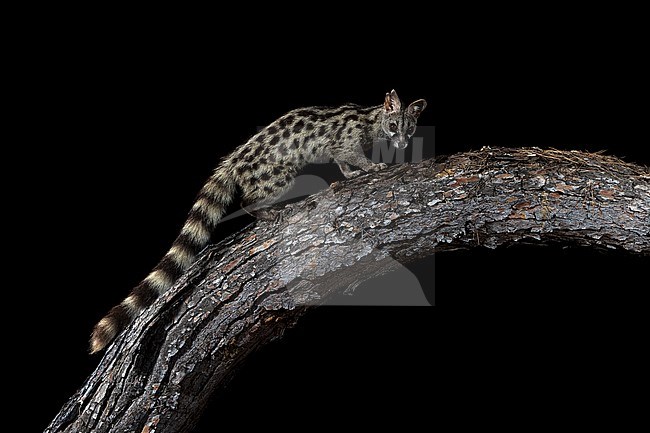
pixel 377 167
pixel 354 173
pixel 271 214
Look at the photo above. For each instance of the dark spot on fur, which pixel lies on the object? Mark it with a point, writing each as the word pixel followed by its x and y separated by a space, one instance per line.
pixel 262 160
pixel 280 183
pixel 268 189
pixel 271 130
pixel 288 177
pixel 260 138
pixel 289 119
pixel 321 130
pixel 255 166
pixel 286 133
pixel 241 170
pixel 351 117
pixel 251 181
pixel 274 140
pixel 296 143
pixel 298 126
pixel 265 176
pixel 350 130
pixel 309 127
pixel 277 170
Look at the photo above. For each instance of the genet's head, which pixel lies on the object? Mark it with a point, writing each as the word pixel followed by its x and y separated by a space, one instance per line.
pixel 397 124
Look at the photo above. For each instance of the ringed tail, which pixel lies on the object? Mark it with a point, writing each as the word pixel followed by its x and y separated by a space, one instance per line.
pixel 206 212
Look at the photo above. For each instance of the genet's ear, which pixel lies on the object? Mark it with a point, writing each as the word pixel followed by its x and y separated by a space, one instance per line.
pixel 416 108
pixel 392 102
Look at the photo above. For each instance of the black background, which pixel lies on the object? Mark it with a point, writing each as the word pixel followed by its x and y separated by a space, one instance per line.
pixel 129 127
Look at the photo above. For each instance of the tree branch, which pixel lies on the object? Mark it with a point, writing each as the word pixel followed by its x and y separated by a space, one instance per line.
pixel 246 290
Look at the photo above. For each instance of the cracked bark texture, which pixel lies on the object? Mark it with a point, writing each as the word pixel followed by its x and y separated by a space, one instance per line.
pixel 247 289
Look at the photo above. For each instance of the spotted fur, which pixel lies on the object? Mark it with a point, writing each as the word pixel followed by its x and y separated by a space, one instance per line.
pixel 263 169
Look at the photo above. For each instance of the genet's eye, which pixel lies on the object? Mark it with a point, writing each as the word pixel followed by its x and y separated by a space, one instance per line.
pixel 393 127
pixel 410 131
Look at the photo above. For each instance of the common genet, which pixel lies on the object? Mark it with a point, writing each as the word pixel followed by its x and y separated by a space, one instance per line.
pixel 263 169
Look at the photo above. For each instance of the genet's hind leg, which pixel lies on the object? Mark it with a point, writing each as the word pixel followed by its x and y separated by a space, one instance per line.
pixel 258 201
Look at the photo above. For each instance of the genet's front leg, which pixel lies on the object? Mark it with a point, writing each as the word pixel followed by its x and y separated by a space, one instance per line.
pixel 358 159
pixel 347 171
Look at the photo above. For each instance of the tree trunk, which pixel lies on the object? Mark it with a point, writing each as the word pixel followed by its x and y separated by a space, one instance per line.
pixel 246 290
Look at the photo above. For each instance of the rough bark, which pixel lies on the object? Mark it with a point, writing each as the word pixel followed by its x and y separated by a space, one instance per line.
pixel 246 290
